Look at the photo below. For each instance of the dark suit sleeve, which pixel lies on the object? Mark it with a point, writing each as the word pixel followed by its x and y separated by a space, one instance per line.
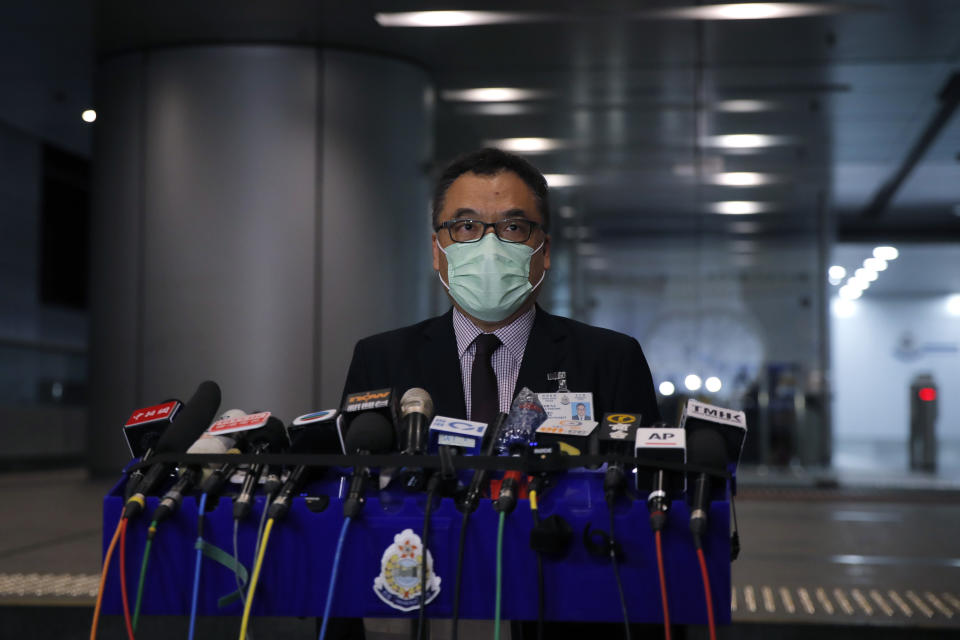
pixel 357 375
pixel 634 385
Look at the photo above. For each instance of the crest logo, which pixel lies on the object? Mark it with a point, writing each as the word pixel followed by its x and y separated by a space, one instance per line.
pixel 398 584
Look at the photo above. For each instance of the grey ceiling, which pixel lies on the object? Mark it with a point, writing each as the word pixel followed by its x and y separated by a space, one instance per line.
pixel 633 98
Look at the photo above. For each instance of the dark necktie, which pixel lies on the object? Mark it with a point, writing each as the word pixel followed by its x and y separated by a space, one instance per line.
pixel 484 402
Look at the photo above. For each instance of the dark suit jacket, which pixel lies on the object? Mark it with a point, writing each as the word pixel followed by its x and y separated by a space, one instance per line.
pixel 609 364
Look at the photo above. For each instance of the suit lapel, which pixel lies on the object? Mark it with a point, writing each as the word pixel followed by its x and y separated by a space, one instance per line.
pixel 545 353
pixel 440 367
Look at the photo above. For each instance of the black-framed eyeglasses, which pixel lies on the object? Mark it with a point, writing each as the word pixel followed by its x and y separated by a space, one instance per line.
pixel 509 230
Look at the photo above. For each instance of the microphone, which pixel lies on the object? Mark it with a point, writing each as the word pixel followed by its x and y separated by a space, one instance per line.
pixel 472 496
pixel 369 433
pixel 142 431
pixel 616 437
pixel 271 438
pixel 714 439
pixel 310 433
pixel 416 412
pixel 242 429
pixel 191 474
pixel 660 443
pixel 526 414
pixel 189 423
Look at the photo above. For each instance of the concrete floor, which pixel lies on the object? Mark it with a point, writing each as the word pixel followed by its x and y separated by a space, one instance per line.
pixel 849 557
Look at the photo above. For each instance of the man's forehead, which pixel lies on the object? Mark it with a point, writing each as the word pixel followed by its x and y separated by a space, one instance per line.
pixel 490 195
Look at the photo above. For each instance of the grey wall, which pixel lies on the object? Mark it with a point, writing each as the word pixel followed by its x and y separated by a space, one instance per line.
pixel 246 224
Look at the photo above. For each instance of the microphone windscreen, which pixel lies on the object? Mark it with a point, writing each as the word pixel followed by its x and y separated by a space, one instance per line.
pixel 416 400
pixel 212 444
pixel 371 432
pixel 706 447
pixel 192 420
pixel 273 434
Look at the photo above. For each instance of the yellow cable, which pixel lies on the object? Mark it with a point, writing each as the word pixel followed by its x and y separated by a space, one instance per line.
pixel 103 581
pixel 254 579
pixel 533 500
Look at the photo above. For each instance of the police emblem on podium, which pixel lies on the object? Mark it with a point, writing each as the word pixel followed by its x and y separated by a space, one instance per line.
pixel 398 584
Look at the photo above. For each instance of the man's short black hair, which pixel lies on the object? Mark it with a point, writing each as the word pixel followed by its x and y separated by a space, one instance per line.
pixel 488 162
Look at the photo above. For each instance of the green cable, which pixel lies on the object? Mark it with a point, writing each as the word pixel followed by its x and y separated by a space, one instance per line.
pixel 496 611
pixel 143 572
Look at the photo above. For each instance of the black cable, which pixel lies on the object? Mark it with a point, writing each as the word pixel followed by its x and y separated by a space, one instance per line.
pixel 421 622
pixel 616 573
pixel 735 536
pixel 455 619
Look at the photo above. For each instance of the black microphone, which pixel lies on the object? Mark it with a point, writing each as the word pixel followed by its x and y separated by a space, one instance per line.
pixel 191 475
pixel 243 428
pixel 416 412
pixel 272 438
pixel 617 434
pixel 472 497
pixel 142 432
pixel 369 433
pixel 191 421
pixel 714 439
pixel 656 444
pixel 310 433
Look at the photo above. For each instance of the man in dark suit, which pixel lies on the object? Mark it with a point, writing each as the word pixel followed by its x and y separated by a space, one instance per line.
pixel 499 200
pixel 491 251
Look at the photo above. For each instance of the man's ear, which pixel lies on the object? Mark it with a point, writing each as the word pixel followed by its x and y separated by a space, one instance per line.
pixel 546 253
pixel 436 252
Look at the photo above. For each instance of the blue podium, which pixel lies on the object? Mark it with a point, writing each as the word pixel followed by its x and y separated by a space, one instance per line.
pixel 299 557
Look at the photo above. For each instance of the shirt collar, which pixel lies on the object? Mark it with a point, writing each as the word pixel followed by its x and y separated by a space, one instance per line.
pixel 513 336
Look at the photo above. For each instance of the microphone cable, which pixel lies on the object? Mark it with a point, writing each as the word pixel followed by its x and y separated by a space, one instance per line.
pixel 532 493
pixel 123 578
pixel 706 587
pixel 261 551
pixel 196 568
pixel 103 578
pixel 333 576
pixel 455 618
pixel 496 610
pixel 663 586
pixel 151 532
pixel 616 573
pixel 431 490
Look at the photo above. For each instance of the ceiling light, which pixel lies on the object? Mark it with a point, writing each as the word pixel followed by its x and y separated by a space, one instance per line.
pixel 754 11
pixel 858 283
pixel 886 253
pixel 559 180
pixel 953 304
pixel 713 384
pixel 744 106
pixel 666 388
pixel 836 272
pixel 742 179
pixel 527 145
pixel 89 115
pixel 849 293
pixel 865 274
pixel 843 308
pixel 875 264
pixel 746 141
pixel 492 94
pixel 692 382
pixel 739 207
pixel 447 18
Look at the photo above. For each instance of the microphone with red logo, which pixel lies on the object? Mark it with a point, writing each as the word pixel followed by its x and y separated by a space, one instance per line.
pixel 190 422
pixel 272 438
pixel 142 432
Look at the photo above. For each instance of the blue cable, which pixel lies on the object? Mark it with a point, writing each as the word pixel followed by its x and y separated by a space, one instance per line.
pixel 333 577
pixel 196 570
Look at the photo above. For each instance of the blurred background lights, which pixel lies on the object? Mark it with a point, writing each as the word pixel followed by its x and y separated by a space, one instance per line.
pixel 849 293
pixel 692 382
pixel 836 272
pixel 713 384
pixel 89 115
pixel 843 308
pixel 666 388
pixel 953 304
pixel 866 274
pixel 886 253
pixel 875 264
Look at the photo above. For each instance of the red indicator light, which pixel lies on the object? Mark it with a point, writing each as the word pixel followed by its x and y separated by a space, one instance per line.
pixel 927 394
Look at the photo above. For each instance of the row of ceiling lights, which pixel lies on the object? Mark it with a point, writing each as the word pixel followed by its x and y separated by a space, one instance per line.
pixel 859 281
pixel 692 383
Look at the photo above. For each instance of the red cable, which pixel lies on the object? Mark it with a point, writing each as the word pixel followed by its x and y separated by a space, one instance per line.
pixel 706 590
pixel 663 589
pixel 123 578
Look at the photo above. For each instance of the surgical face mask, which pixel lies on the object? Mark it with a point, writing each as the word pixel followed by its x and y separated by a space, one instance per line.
pixel 489 279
